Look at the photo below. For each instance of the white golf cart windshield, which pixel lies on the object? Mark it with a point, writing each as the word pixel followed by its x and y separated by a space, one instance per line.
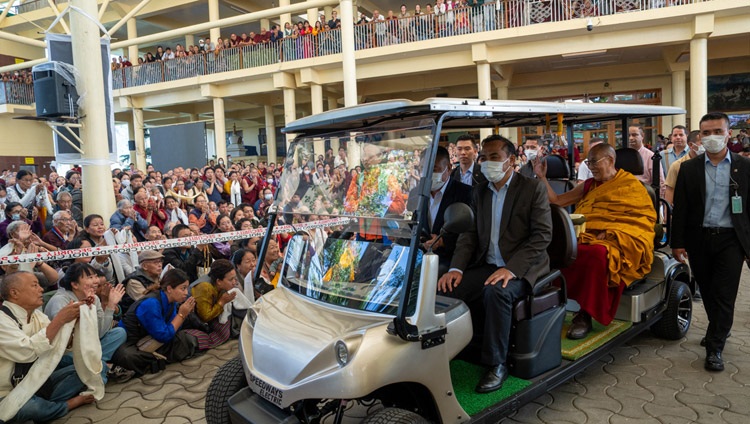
pixel 376 174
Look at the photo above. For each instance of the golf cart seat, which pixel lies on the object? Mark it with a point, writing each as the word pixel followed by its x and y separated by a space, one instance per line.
pixel 538 318
pixel 630 160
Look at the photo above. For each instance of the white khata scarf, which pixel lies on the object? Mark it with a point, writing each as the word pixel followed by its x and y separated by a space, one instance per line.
pixel 87 357
pixel 236 193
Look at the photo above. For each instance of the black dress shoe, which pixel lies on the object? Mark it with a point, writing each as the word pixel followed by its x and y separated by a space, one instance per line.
pixel 492 380
pixel 703 340
pixel 714 362
pixel 580 326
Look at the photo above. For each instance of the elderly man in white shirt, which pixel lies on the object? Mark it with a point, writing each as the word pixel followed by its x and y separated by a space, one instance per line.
pixel 27 335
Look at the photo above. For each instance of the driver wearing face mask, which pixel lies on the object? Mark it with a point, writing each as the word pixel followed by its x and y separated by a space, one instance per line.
pixel 499 260
pixel 695 148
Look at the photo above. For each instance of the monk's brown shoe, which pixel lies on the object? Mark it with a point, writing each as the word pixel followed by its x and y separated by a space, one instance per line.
pixel 580 326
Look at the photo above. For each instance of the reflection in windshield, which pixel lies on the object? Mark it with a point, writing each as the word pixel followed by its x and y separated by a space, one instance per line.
pixel 373 173
pixel 355 274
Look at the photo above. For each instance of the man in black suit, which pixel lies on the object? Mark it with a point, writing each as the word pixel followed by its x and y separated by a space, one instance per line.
pixel 711 226
pixel 467 171
pixel 500 260
pixel 444 191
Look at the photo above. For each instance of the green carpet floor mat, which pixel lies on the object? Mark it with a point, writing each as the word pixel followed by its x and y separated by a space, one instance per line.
pixel 574 349
pixel 465 377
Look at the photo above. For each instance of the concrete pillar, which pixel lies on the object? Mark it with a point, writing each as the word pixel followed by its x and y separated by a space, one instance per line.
pixel 285 17
pixel 333 103
pixel 140 141
pixel 502 94
pixel 698 79
pixel 98 196
pixel 270 134
pixel 347 52
pixel 678 96
pixel 484 91
pixel 290 109
pixel 265 23
pixel 213 15
pixel 220 129
pixel 189 41
pixel 316 96
pixel 328 10
pixel 132 33
pixel 312 15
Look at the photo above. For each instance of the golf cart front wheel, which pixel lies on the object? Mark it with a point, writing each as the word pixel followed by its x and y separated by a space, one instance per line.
pixel 229 379
pixel 675 321
pixel 395 416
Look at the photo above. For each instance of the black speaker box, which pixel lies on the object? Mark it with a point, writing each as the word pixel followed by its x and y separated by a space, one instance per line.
pixel 55 97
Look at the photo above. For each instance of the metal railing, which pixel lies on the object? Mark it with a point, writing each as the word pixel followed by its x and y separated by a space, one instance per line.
pixel 16 93
pixel 443 22
pixel 29 5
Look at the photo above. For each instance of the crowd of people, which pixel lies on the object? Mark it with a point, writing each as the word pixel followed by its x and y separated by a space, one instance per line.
pixel 155 307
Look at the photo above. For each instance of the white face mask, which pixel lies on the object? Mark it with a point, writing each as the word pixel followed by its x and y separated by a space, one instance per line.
pixel 494 171
pixel 531 154
pixel 307 172
pixel 125 183
pixel 699 150
pixel 714 143
pixel 437 181
pixel 268 196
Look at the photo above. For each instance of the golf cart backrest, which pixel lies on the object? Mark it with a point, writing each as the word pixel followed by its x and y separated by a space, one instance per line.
pixel 538 318
pixel 558 174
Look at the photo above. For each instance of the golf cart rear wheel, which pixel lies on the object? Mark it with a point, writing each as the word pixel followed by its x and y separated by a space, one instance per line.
pixel 229 379
pixel 675 322
pixel 395 416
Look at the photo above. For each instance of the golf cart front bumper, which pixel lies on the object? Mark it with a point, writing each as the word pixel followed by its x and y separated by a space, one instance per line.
pixel 246 407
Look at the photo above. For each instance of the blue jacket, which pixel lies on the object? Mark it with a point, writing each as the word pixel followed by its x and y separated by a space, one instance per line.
pixel 155 315
pixel 118 220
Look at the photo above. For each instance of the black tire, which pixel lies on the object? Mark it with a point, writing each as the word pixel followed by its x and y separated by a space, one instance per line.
pixel 395 416
pixel 675 322
pixel 229 379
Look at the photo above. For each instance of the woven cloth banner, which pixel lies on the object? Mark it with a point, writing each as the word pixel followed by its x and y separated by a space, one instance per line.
pixel 166 244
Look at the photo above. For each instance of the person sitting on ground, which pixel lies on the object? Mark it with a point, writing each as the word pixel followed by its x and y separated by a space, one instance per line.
pixel 150 210
pixel 63 230
pixel 126 218
pixel 211 297
pixel 153 325
pixel 146 276
pixel 618 246
pixel 173 211
pixel 222 249
pixel 65 203
pixel 27 335
pixel 79 284
pixel 200 215
pixel 244 261
pixel 185 257
pixel 14 211
pixel 22 240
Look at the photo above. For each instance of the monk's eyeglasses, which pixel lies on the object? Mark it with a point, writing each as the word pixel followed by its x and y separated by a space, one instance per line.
pixel 590 162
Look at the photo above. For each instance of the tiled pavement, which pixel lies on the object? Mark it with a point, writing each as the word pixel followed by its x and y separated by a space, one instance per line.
pixel 647 381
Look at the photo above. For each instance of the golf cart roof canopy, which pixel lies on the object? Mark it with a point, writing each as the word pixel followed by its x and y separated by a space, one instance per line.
pixel 473 114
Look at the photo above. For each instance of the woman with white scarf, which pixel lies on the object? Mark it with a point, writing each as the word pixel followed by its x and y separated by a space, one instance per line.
pixel 235 188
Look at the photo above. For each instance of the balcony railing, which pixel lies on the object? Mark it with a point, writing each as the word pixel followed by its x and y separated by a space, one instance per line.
pixel 439 24
pixel 16 93
pixel 29 5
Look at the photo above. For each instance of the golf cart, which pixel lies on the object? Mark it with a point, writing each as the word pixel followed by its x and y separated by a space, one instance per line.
pixel 355 322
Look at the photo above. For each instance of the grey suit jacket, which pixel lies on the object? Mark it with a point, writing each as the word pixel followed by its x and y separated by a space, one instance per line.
pixel 525 230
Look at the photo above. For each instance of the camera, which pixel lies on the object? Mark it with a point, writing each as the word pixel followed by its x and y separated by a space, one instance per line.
pixel 590 25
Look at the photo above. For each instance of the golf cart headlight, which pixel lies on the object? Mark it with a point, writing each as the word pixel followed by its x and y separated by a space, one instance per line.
pixel 342 353
pixel 252 316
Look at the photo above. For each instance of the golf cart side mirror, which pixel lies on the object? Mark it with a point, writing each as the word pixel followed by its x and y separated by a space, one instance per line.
pixel 458 218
